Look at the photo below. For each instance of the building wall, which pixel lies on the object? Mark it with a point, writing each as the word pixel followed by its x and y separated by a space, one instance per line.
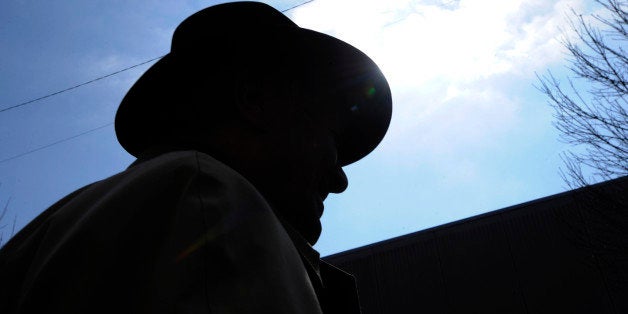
pixel 559 254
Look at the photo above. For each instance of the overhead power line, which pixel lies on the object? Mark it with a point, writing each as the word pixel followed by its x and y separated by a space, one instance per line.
pixel 79 85
pixel 55 143
pixel 296 6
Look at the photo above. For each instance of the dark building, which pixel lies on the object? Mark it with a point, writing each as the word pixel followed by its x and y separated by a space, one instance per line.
pixel 566 253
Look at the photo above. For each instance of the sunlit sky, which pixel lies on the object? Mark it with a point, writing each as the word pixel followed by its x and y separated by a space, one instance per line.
pixel 470 133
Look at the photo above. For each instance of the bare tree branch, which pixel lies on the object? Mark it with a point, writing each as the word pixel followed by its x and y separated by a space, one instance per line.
pixel 3 213
pixel 594 121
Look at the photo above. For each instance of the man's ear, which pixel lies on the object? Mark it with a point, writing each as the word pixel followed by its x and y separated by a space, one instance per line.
pixel 251 104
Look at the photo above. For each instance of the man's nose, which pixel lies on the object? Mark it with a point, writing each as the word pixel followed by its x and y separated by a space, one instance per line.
pixel 337 181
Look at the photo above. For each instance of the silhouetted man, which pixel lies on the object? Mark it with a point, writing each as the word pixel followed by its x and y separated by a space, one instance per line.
pixel 240 133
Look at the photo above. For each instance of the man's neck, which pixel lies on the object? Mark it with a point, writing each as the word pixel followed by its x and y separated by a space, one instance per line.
pixel 309 255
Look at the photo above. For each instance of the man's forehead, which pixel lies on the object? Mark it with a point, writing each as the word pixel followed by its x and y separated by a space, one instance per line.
pixel 336 96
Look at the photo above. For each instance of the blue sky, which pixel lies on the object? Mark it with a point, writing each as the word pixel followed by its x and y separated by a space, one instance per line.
pixel 469 133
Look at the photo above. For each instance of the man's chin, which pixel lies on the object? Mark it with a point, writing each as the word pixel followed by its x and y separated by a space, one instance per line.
pixel 310 230
pixel 311 236
pixel 307 222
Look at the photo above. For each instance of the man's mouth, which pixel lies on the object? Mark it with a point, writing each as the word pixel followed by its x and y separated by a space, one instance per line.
pixel 320 205
pixel 324 195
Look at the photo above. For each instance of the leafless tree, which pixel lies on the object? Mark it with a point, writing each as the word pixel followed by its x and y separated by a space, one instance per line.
pixel 595 120
pixel 4 224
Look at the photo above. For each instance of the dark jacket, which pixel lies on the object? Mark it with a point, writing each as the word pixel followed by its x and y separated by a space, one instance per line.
pixel 179 233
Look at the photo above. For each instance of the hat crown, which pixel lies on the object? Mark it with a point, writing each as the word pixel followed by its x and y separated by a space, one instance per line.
pixel 238 20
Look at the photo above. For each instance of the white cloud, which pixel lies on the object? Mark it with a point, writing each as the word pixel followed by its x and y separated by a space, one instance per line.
pixel 449 63
pixel 415 42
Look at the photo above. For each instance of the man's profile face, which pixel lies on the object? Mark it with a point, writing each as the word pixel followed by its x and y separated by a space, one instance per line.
pixel 303 172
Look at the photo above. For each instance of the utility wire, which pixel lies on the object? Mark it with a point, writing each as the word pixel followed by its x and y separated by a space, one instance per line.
pixel 83 84
pixel 296 6
pixel 79 85
pixel 55 143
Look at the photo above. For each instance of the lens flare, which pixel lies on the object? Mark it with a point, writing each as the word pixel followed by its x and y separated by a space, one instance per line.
pixel 370 91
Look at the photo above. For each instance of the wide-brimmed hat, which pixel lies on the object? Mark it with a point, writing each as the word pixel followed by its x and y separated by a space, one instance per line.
pixel 218 42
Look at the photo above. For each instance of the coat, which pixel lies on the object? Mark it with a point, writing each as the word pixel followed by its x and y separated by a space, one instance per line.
pixel 178 233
